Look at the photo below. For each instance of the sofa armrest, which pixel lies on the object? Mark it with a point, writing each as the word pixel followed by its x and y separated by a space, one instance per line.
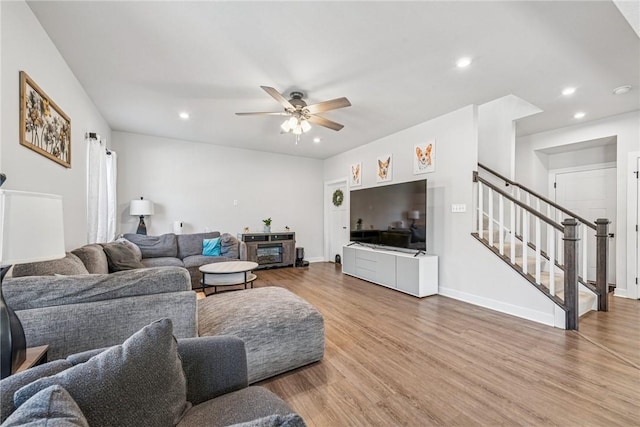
pixel 213 366
pixel 32 292
pixel 242 250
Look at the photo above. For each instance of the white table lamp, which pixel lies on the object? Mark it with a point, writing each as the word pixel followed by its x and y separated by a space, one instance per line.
pixel 141 208
pixel 413 215
pixel 31 230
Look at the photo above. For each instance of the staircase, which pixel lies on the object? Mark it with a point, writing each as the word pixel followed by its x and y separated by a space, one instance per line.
pixel 544 242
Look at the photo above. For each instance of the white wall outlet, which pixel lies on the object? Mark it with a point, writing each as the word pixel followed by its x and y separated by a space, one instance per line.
pixel 458 207
pixel 235 202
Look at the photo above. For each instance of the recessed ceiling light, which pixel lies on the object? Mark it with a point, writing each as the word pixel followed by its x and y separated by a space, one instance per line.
pixel 568 91
pixel 579 115
pixel 184 115
pixel 622 90
pixel 316 139
pixel 463 62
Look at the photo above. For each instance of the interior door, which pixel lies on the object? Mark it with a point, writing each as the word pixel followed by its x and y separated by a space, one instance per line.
pixel 338 220
pixel 592 195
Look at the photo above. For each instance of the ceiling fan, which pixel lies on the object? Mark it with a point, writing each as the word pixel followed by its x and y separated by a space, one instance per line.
pixel 300 113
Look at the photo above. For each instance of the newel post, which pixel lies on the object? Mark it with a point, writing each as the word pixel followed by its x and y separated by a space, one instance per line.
pixel 602 255
pixel 571 272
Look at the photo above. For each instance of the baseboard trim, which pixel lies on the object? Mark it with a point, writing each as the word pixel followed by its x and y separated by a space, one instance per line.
pixel 315 259
pixel 622 293
pixel 513 310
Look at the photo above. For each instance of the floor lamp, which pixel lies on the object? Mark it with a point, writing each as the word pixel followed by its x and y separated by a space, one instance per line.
pixel 31 230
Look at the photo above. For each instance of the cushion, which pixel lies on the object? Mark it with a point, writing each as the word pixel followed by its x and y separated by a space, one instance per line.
pixel 162 262
pixel 69 265
pixel 244 405
pixel 136 250
pixel 211 247
pixel 93 258
pixel 277 420
pixel 200 260
pixel 155 246
pixel 141 379
pixel 229 246
pixel 120 257
pixel 52 406
pixel 10 385
pixel 191 244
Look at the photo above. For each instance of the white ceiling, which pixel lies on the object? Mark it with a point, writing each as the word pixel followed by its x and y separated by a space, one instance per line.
pixel 144 62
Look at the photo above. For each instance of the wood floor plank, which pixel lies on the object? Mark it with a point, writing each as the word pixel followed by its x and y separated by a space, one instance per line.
pixel 393 359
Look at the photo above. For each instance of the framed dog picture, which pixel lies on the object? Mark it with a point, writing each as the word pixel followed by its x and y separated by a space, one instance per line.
pixel 355 174
pixel 424 157
pixel 44 127
pixel 384 168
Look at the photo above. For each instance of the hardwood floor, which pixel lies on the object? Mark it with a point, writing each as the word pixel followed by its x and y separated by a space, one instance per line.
pixel 393 359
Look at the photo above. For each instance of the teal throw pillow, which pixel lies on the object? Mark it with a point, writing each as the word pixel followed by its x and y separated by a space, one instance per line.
pixel 211 247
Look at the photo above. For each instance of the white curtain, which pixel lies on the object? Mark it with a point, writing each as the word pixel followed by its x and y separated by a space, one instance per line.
pixel 101 192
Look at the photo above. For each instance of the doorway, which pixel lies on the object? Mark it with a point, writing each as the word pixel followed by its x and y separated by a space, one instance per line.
pixel 591 194
pixel 336 218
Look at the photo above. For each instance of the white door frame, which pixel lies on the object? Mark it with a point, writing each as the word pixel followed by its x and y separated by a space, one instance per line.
pixel 327 207
pixel 633 218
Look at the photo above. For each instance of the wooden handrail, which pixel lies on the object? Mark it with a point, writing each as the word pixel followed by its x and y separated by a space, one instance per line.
pixel 589 224
pixel 508 196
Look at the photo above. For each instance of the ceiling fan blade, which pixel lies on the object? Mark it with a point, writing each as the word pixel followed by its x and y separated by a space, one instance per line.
pixel 326 123
pixel 279 113
pixel 328 105
pixel 281 99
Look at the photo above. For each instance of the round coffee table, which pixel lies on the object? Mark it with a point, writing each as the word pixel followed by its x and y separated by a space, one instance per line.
pixel 227 273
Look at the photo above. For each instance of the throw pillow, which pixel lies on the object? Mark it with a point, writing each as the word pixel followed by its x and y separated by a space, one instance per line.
pixel 120 257
pixel 52 406
pixel 229 246
pixel 135 248
pixel 69 265
pixel 142 379
pixel 211 247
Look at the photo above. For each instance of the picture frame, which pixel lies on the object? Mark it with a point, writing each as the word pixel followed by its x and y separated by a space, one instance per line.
pixel 384 168
pixel 424 157
pixel 355 175
pixel 44 127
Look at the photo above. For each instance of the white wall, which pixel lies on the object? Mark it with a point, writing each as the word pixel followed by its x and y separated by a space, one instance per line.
pixel 532 170
pixel 25 46
pixel 497 132
pixel 197 183
pixel 467 270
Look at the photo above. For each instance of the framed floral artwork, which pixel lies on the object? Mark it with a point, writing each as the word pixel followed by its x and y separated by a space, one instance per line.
pixel 385 168
pixel 44 127
pixel 424 157
pixel 355 174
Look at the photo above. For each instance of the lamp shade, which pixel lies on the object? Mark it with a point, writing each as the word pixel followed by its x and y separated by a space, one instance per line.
pixel 31 227
pixel 413 215
pixel 141 207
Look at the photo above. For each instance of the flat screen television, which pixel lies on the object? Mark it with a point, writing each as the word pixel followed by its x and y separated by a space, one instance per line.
pixel 390 215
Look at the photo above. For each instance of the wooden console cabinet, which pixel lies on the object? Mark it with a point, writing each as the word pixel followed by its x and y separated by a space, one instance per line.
pixel 404 272
pixel 271 249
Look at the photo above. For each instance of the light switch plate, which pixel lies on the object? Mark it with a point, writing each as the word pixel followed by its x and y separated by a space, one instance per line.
pixel 458 207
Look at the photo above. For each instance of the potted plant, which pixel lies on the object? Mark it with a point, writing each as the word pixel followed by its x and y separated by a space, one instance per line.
pixel 267 225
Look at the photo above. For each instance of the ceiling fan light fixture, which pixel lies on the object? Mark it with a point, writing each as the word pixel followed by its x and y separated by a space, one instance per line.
pixel 297 130
pixel 285 126
pixel 306 127
pixel 293 122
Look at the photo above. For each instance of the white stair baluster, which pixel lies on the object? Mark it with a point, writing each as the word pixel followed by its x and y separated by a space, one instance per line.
pixel 480 211
pixel 501 224
pixel 525 239
pixel 538 254
pixel 552 264
pixel 585 235
pixel 512 235
pixel 490 217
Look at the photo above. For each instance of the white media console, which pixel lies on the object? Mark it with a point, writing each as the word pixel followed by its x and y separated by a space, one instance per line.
pixel 404 272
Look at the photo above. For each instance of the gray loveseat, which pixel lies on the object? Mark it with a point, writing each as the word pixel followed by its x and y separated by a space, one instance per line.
pixel 150 380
